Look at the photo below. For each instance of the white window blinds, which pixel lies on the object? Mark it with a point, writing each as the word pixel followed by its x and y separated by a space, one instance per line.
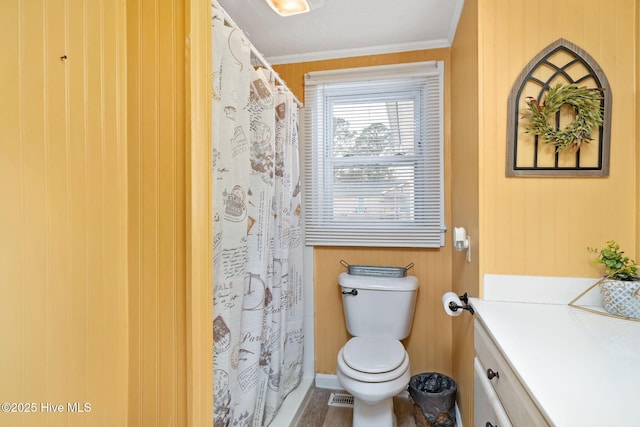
pixel 374 156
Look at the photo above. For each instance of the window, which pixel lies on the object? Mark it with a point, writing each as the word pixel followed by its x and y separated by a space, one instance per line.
pixel 374 156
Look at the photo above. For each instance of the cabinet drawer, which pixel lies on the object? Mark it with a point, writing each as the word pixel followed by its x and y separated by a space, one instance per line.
pixel 521 410
pixel 488 410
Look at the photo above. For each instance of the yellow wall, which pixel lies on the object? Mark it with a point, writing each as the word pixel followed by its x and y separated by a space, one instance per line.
pixel 637 116
pixel 293 74
pixel 63 261
pixel 94 265
pixel 199 187
pixel 464 193
pixel 535 226
pixel 157 212
pixel 542 226
pixel 429 345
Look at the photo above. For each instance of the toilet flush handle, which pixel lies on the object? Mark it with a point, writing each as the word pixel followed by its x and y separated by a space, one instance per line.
pixel 353 292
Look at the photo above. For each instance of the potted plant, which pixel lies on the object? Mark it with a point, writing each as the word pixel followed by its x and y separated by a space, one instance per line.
pixel 620 287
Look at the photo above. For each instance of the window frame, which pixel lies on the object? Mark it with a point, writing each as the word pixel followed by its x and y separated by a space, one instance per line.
pixel 320 161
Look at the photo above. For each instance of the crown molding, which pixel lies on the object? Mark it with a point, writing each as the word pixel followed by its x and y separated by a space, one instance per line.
pixel 364 51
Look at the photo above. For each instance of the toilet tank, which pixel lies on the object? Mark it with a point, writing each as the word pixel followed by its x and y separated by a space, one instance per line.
pixel 383 306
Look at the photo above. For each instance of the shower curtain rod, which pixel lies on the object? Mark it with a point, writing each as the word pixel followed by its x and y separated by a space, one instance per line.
pixel 257 55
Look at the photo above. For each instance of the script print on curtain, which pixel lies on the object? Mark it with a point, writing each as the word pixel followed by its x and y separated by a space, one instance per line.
pixel 257 238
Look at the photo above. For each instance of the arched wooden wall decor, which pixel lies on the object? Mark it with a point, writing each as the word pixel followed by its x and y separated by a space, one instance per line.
pixel 562 62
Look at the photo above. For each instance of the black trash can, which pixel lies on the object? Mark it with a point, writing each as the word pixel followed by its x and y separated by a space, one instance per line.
pixel 434 399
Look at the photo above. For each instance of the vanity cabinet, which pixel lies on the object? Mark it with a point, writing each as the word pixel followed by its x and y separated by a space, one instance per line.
pixel 500 398
pixel 551 364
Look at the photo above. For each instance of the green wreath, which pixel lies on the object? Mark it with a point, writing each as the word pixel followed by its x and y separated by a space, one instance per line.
pixel 586 104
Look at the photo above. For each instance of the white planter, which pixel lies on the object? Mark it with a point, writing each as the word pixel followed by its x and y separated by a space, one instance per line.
pixel 621 298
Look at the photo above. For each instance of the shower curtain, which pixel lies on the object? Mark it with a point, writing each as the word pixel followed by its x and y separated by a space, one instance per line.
pixel 257 236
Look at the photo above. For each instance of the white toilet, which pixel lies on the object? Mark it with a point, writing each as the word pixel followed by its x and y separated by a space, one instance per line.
pixel 373 365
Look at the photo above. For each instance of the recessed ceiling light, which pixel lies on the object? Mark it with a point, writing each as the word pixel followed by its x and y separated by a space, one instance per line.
pixel 289 7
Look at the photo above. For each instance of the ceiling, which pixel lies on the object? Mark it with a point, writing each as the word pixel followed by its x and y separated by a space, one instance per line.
pixel 343 28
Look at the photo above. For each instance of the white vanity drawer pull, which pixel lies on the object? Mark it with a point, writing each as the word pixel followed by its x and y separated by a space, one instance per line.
pixel 491 374
pixel 490 425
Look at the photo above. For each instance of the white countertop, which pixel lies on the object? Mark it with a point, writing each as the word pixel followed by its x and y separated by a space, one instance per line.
pixel 581 368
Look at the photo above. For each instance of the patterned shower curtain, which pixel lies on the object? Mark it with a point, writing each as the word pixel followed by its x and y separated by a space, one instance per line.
pixel 257 237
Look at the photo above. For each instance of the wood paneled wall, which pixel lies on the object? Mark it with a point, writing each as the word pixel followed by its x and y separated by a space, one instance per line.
pixel 199 342
pixel 429 345
pixel 535 226
pixel 542 226
pixel 94 177
pixel 293 74
pixel 430 342
pixel 637 44
pixel 63 221
pixel 465 166
pixel 157 212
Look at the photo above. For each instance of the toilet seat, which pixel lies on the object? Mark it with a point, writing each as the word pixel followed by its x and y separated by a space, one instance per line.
pixel 373 354
pixel 373 359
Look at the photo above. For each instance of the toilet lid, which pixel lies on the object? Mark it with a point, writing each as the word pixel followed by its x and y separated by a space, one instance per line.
pixel 373 355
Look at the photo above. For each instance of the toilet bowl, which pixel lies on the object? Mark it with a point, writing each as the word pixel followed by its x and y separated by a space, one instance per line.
pixel 373 370
pixel 373 365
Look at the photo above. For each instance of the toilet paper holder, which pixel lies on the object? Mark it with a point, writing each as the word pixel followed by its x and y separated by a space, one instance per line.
pixel 465 299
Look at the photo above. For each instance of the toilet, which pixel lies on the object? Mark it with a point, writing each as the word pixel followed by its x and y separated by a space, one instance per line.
pixel 373 365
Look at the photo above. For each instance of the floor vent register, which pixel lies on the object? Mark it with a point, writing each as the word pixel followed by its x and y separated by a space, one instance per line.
pixel 342 400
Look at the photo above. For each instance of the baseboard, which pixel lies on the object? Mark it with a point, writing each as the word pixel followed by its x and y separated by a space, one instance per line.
pixel 328 381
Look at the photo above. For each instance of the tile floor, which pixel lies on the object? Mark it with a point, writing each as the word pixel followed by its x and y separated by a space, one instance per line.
pixel 317 413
